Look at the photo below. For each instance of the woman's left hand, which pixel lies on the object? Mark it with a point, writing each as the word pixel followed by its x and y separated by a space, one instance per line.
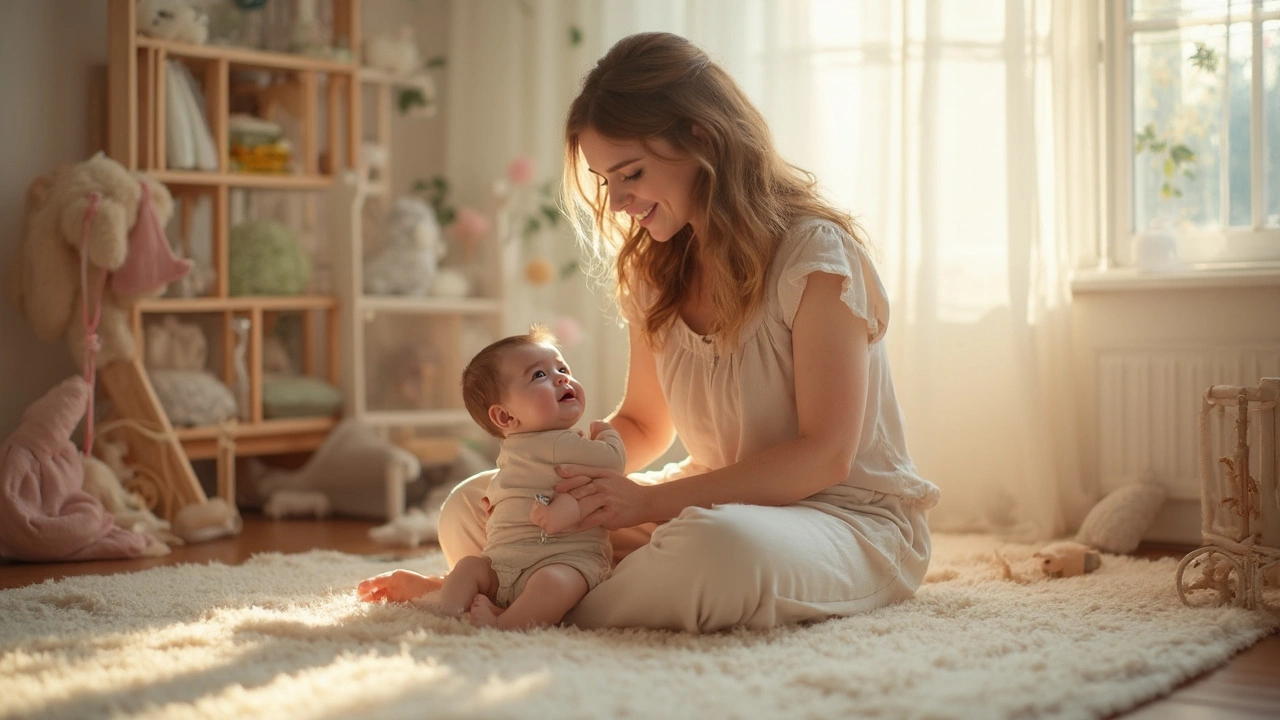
pixel 605 497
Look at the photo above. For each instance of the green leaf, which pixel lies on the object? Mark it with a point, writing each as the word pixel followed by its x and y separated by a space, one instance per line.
pixel 568 269
pixel 1181 153
pixel 1170 167
pixel 438 61
pixel 532 226
pixel 410 98
pixel 418 186
pixel 575 35
pixel 551 214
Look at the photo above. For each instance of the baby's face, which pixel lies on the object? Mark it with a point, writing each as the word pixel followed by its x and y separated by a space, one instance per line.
pixel 541 393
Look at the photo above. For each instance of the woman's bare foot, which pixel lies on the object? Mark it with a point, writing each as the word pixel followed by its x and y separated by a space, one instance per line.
pixel 484 613
pixel 397 586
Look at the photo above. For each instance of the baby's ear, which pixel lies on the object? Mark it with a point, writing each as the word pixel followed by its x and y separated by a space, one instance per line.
pixel 503 419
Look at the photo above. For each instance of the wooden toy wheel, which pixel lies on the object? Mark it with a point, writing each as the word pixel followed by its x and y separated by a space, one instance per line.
pixel 1220 580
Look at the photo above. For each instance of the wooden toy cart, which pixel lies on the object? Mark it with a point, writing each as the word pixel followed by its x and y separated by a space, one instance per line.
pixel 1240 499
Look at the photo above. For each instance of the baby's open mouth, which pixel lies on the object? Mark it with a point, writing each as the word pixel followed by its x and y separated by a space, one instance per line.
pixel 568 395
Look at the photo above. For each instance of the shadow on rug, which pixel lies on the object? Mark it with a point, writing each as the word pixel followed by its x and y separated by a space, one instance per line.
pixel 284 634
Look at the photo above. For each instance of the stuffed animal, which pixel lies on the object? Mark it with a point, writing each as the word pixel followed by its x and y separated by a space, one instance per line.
pixel 116 219
pixel 289 503
pixel 190 394
pixel 1066 559
pixel 173 20
pixel 407 264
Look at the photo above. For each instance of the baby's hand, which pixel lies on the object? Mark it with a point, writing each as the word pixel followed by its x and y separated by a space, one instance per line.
pixel 599 426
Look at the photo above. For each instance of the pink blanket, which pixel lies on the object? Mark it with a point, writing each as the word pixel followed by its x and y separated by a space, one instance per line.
pixel 44 512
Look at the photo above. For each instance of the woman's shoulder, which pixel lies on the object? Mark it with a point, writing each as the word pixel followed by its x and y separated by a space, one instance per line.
pixel 813 237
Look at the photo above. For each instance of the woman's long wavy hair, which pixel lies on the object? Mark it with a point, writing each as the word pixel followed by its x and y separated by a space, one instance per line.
pixel 660 85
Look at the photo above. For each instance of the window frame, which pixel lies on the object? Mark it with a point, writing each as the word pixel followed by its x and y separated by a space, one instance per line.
pixel 1246 248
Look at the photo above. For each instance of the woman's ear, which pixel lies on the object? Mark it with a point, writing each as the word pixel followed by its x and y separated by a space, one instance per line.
pixel 698 132
pixel 503 419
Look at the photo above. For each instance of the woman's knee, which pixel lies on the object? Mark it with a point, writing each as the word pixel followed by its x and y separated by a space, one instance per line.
pixel 724 544
pixel 462 518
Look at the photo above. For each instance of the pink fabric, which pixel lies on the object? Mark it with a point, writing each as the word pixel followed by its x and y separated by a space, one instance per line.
pixel 150 263
pixel 44 512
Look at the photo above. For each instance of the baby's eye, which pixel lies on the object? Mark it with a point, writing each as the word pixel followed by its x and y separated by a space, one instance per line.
pixel 539 374
pixel 564 370
pixel 634 176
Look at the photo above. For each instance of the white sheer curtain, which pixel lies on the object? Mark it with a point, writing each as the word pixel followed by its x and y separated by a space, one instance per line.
pixel 961 132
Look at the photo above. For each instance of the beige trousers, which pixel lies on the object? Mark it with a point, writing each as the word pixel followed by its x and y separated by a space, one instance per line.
pixel 738 565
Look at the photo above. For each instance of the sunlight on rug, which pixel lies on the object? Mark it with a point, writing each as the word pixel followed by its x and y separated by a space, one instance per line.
pixel 283 636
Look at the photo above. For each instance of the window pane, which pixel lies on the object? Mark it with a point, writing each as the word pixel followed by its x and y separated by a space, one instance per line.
pixel 1172 9
pixel 1239 137
pixel 1177 112
pixel 1271 115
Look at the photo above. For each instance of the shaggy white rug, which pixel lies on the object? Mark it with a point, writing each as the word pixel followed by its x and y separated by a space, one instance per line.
pixel 283 636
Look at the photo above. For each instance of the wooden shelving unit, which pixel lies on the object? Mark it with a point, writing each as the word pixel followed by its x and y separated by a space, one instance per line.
pixel 323 96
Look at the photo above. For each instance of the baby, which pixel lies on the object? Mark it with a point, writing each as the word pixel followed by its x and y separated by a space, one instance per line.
pixel 534 568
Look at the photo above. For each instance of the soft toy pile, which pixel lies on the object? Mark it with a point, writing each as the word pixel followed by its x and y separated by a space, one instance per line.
pixel 44 512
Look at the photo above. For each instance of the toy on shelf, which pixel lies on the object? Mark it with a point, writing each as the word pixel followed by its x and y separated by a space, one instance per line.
pixel 1239 507
pixel 407 262
pixel 176 20
pixel 188 392
pixel 409 377
pixel 258 145
pixel 395 53
pixel 266 259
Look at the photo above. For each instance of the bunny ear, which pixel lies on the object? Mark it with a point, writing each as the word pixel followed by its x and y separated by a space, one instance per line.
pixel 51 419
pixel 150 263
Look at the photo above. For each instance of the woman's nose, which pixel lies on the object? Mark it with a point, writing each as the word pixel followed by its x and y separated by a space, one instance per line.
pixel 618 199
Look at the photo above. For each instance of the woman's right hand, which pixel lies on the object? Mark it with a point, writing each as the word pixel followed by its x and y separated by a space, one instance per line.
pixel 607 498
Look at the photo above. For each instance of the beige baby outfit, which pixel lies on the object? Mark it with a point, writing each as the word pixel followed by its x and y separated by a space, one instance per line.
pixel 526 468
pixel 854 547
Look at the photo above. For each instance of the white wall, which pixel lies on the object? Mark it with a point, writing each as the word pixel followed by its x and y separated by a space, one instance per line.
pixel 48 52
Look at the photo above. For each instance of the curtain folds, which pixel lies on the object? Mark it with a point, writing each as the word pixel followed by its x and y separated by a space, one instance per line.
pixel 962 133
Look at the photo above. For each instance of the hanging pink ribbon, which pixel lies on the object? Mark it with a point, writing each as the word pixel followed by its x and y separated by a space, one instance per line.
pixel 91 341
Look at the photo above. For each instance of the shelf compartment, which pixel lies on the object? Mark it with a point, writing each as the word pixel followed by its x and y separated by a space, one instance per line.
pixel 418 418
pixel 428 306
pixel 268 437
pixel 249 57
pixel 242 303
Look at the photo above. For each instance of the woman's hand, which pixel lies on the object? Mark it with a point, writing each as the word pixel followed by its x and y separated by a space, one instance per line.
pixel 607 498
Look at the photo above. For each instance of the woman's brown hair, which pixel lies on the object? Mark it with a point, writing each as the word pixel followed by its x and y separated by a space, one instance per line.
pixel 660 85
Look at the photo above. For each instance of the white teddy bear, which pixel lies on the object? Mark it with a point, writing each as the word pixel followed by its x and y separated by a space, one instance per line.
pixel 407 264
pixel 173 20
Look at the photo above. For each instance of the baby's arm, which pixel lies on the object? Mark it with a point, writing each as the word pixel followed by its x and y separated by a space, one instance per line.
pixel 559 515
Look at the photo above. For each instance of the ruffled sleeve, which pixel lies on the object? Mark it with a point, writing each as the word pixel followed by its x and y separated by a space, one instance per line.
pixel 822 246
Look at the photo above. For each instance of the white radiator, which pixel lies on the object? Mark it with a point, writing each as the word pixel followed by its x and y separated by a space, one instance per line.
pixel 1148 400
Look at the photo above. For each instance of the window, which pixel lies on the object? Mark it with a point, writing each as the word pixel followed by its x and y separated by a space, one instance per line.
pixel 1196 118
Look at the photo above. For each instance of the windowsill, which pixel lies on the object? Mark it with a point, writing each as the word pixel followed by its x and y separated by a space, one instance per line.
pixel 1132 279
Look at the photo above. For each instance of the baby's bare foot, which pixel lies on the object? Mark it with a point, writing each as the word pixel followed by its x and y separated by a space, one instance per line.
pixel 483 612
pixel 397 586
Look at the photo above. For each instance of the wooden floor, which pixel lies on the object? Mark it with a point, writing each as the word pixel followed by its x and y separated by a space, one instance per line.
pixel 1247 687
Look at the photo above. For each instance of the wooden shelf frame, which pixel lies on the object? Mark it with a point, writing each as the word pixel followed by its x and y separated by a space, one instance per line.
pixel 313 89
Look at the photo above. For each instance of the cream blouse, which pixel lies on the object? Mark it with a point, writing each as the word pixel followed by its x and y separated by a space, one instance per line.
pixel 725 407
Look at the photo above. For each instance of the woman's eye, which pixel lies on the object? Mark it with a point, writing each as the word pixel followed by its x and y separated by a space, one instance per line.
pixel 633 176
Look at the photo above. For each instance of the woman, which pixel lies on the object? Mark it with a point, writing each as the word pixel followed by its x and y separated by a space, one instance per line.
pixel 755 322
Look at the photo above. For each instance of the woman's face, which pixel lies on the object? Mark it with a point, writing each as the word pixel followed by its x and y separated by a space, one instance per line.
pixel 657 193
